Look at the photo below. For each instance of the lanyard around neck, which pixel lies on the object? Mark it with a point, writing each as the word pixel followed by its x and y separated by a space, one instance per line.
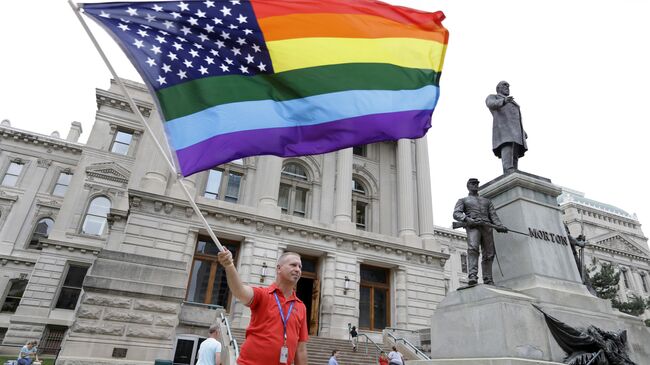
pixel 284 319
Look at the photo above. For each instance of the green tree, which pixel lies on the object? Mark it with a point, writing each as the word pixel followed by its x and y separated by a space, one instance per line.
pixel 604 281
pixel 635 305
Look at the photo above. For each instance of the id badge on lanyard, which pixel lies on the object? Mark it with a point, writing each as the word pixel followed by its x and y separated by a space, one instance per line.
pixel 284 351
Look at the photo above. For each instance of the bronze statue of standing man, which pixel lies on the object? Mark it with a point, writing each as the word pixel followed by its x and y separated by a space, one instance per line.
pixel 508 136
pixel 478 216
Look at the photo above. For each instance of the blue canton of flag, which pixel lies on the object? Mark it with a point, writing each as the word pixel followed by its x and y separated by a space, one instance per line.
pixel 177 41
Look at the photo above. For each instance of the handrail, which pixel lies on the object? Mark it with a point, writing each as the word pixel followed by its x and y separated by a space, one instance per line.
pixel 379 349
pixel 209 306
pixel 407 342
pixel 401 329
pixel 233 341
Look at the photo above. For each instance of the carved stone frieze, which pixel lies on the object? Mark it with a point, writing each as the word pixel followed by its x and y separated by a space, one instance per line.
pixel 6 196
pixel 114 102
pixel 109 171
pixel 43 162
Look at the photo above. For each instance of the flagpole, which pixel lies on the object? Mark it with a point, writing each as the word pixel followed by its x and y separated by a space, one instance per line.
pixel 179 178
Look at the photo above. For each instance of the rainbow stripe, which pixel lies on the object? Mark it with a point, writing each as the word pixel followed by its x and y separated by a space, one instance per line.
pixel 345 73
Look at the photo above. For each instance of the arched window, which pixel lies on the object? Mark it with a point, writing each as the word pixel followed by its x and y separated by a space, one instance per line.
pixel 294 190
pixel 42 230
pixel 360 203
pixel 95 219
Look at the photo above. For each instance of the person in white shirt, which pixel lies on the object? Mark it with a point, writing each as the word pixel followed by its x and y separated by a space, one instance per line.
pixel 210 350
pixel 395 357
pixel 333 360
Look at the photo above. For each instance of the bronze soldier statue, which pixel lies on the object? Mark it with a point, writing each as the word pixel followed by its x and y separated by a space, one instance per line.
pixel 478 216
pixel 508 136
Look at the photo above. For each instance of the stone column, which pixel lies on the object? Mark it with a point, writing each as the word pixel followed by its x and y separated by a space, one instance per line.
pixel 269 170
pixel 328 294
pixel 74 132
pixel 405 203
pixel 156 170
pixel 401 298
pixel 423 180
pixel 343 193
pixel 241 314
pixel 643 282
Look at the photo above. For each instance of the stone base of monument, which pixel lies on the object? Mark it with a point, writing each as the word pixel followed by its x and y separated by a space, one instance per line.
pixel 498 325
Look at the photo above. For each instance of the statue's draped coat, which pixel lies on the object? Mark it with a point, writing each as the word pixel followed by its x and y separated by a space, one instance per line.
pixel 506 126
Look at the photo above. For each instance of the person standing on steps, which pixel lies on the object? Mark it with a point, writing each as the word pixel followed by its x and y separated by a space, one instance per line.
pixel 210 349
pixel 354 337
pixel 333 360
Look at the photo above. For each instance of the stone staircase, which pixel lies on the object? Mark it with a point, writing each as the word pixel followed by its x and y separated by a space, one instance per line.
pixel 319 350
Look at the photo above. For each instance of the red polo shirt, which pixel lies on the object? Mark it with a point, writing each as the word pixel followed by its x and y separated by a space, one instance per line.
pixel 265 333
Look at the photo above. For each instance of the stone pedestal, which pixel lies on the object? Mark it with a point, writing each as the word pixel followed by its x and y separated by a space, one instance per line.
pixel 528 204
pixel 498 324
pixel 128 311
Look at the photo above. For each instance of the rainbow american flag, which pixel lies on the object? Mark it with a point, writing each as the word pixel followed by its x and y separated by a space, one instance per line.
pixel 287 78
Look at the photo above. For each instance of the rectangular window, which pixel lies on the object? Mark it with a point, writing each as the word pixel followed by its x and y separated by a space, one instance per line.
pixel 52 339
pixel 3 332
pixel 643 282
pixel 62 183
pixel 300 203
pixel 15 293
pixel 359 150
pixel 122 142
pixel 224 183
pixel 463 262
pixel 11 176
pixel 374 301
pixel 360 215
pixel 71 288
pixel 283 197
pixel 232 189
pixel 207 283
pixel 213 185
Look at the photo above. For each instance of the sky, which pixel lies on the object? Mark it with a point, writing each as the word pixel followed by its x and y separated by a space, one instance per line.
pixel 580 70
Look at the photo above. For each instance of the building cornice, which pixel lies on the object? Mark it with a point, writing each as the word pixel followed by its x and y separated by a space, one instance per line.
pixel 619 253
pixel 596 210
pixel 449 233
pixel 70 246
pixel 119 102
pixel 4 259
pixel 35 139
pixel 389 244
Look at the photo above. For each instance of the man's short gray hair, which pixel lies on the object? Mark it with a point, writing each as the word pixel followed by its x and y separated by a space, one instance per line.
pixel 214 328
pixel 288 253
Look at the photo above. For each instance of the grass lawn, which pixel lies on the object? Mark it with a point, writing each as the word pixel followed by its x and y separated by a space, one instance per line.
pixel 3 359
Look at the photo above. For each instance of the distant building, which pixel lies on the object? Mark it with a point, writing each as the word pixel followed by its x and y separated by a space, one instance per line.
pixel 614 237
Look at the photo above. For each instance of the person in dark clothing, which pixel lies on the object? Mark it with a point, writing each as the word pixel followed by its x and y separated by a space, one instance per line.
pixel 354 337
pixel 508 135
pixel 479 216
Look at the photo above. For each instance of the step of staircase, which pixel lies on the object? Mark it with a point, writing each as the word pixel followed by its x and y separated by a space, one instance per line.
pixel 319 350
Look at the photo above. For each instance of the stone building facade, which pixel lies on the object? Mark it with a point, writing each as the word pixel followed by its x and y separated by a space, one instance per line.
pixel 614 237
pixel 103 258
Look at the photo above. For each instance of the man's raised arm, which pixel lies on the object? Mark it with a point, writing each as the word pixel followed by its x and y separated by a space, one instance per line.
pixel 242 292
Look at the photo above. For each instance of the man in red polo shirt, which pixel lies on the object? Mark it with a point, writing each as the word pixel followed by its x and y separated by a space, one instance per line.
pixel 277 333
